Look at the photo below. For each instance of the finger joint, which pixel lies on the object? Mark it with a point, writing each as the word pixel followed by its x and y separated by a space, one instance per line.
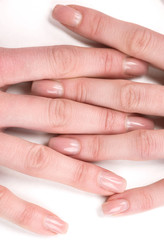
pixel 63 60
pixel 58 113
pixel 37 159
pixel 139 41
pixel 80 174
pixel 131 97
pixel 145 144
pixel 27 215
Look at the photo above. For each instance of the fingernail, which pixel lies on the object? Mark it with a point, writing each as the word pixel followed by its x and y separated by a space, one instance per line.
pixel 112 183
pixel 134 67
pixel 115 207
pixel 67 15
pixel 48 88
pixel 67 146
pixel 135 122
pixel 55 225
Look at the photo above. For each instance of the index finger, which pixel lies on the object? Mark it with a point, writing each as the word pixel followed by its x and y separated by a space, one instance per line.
pixel 129 38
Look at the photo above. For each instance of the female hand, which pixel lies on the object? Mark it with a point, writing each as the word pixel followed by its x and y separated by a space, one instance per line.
pixel 122 95
pixel 57 116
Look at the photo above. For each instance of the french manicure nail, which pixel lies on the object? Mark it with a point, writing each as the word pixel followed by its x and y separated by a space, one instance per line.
pixel 111 183
pixel 67 15
pixel 55 225
pixel 135 122
pixel 67 146
pixel 115 207
pixel 134 67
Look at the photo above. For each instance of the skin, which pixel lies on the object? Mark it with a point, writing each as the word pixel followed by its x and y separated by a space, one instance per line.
pixel 61 116
pixel 122 95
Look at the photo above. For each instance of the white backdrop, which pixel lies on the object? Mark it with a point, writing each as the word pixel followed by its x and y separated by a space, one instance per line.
pixel 26 23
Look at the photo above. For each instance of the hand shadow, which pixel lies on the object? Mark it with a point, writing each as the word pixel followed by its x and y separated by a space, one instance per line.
pixel 156 75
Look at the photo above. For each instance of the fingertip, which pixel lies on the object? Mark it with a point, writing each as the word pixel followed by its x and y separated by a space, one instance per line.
pixel 115 207
pixel 135 67
pixel 68 146
pixel 55 225
pixel 136 122
pixel 67 15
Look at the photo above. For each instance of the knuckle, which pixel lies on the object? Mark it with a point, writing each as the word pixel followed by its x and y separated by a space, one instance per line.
pixel 37 159
pixel 80 174
pixel 26 216
pixel 96 28
pixel 81 91
pixel 145 144
pixel 107 121
pixel 139 41
pixel 147 201
pixel 106 59
pixel 63 60
pixel 131 97
pixel 59 111
pixel 95 148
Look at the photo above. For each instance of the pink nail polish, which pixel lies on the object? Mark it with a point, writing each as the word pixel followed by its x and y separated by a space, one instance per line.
pixel 135 122
pixel 115 207
pixel 134 67
pixel 111 182
pixel 67 15
pixel 67 146
pixel 55 225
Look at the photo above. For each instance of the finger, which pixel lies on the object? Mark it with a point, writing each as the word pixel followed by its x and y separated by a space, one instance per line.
pixel 136 145
pixel 129 38
pixel 135 200
pixel 28 64
pixel 43 162
pixel 62 116
pixel 28 215
pixel 122 95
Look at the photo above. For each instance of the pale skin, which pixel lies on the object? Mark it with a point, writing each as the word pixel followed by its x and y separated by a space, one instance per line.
pixel 122 95
pixel 73 112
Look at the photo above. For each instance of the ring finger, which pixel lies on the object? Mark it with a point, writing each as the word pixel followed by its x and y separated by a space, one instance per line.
pixel 122 95
pixel 136 145
pixel 64 116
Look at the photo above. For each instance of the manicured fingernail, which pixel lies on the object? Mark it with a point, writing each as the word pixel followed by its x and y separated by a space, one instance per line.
pixel 115 207
pixel 134 67
pixel 112 183
pixel 48 88
pixel 67 15
pixel 55 225
pixel 135 122
pixel 67 146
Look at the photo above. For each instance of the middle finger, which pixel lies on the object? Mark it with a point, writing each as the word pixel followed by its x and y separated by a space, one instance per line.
pixel 64 116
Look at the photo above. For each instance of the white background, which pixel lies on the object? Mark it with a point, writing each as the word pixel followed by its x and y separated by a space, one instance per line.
pixel 26 23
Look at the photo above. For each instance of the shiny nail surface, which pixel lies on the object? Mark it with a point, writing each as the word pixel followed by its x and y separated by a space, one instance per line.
pixel 134 122
pixel 67 146
pixel 48 88
pixel 134 67
pixel 111 182
pixel 115 207
pixel 55 225
pixel 67 15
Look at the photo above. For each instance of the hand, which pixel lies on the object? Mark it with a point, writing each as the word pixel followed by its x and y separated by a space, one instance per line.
pixel 119 95
pixel 57 116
